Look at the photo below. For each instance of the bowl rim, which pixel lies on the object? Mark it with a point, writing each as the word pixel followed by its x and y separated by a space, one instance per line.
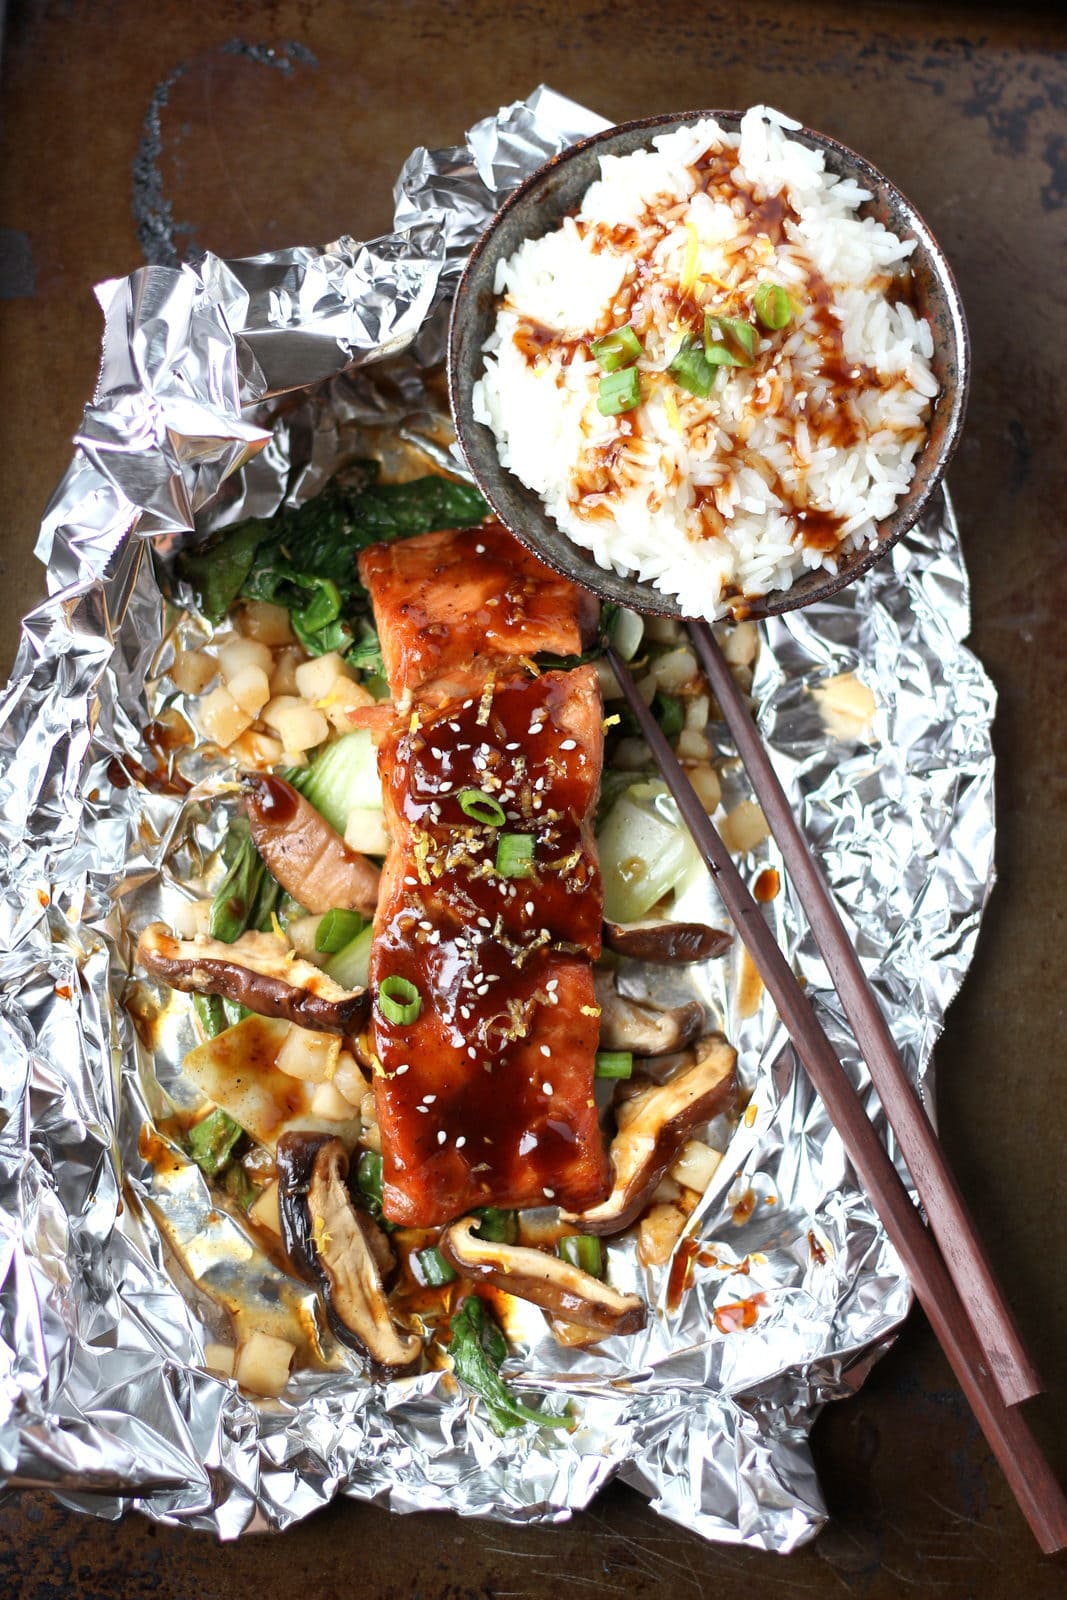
pixel 646 598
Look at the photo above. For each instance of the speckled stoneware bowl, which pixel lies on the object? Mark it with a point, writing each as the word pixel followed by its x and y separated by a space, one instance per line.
pixel 539 205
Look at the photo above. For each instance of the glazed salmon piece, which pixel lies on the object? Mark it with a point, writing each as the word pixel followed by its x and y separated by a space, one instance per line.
pixel 534 747
pixel 446 600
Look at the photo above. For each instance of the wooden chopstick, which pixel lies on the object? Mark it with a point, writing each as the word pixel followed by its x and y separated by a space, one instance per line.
pixel 1014 1446
pixel 950 1221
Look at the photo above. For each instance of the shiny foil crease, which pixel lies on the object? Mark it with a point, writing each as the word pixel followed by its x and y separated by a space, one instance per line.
pixel 103 1396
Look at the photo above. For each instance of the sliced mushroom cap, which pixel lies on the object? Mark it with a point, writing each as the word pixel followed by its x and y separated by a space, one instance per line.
pixel 306 855
pixel 657 1124
pixel 258 971
pixel 676 942
pixel 555 1285
pixel 645 1029
pixel 331 1243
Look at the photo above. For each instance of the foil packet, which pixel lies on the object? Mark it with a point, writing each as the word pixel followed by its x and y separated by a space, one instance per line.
pixel 228 388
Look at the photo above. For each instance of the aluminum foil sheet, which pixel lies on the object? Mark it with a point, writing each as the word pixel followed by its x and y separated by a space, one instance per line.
pixel 227 388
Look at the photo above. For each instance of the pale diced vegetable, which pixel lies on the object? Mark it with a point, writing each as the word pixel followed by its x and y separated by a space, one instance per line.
pixel 674 669
pixel 220 1358
pixel 265 1211
pixel 738 644
pixel 327 1102
pixel 191 917
pixel 348 1079
pixel 660 1229
pixel 192 671
pixel 632 755
pixel 255 749
pixel 609 683
pixel 238 654
pixel 283 676
pixel 315 678
pixel 645 851
pixel 250 687
pixel 662 630
pixel 696 1164
pixel 278 705
pixel 262 620
pixel 744 828
pixel 705 781
pixel 697 712
pixel 221 718
pixel 302 931
pixel 692 746
pixel 263 1363
pixel 343 698
pixel 365 831
pixel 301 727
pixel 308 1055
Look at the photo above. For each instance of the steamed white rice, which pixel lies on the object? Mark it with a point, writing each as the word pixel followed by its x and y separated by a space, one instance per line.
pixel 787 462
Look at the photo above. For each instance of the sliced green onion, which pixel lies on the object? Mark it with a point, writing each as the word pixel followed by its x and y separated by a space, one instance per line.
pixel 337 929
pixel 501 1227
pixel 619 391
pixel 736 342
pixel 434 1268
pixel 475 803
pixel 617 349
pixel 669 713
pixel 398 1000
pixel 614 1063
pixel 771 305
pixel 583 1251
pixel 514 855
pixel 691 370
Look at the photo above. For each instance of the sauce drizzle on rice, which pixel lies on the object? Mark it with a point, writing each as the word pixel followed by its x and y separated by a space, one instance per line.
pixel 795 453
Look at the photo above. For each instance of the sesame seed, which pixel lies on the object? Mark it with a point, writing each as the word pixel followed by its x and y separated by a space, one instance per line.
pixel 435 937
pixel 549 1194
pixel 401 1070
pixel 471 1051
pixel 479 549
pixel 441 1136
pixel 552 984
pixel 545 1051
pixel 461 1141
pixel 428 1099
pixel 514 746
pixel 546 1088
pixel 569 744
pixel 423 1109
pixel 529 908
pixel 411 882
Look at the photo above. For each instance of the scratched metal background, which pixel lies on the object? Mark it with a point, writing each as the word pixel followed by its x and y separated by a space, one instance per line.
pixel 132 131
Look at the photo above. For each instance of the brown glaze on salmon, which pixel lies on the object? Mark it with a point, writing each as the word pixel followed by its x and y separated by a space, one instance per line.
pixel 486 1097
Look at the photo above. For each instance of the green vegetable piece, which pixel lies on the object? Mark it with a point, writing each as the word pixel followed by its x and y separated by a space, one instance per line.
pixel 337 929
pixel 691 370
pixel 515 855
pixel 499 1227
pixel 218 568
pixel 617 349
pixel 614 1064
pixel 398 1000
pixel 246 896
pixel 618 392
pixel 212 1141
pixel 729 341
pixel 435 1270
pixel 771 305
pixel 583 1251
pixel 481 807
pixel 209 1009
pixel 478 1350
pixel 369 1187
pixel 366 655
pixel 350 967
pixel 669 713
pixel 343 774
pixel 645 851
pixel 239 1185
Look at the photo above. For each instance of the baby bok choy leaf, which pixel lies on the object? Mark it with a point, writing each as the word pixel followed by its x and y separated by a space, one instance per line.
pixel 478 1350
